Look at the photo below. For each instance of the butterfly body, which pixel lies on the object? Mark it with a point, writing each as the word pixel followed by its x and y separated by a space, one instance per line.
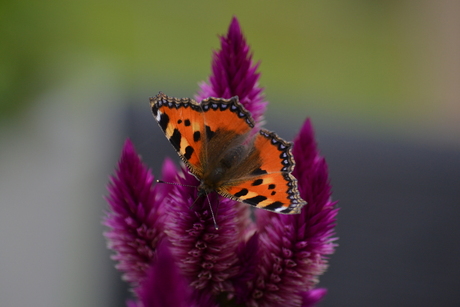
pixel 216 141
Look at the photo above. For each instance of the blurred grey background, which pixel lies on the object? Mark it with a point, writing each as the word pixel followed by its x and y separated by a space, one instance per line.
pixel 379 79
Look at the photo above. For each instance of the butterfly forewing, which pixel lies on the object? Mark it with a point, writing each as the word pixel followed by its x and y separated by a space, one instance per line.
pixel 227 125
pixel 237 120
pixel 183 124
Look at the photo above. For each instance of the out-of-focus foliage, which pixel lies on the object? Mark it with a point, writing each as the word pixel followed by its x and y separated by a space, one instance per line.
pixel 357 57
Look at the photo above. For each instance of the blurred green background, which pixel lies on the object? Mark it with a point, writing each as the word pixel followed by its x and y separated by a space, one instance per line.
pixel 70 70
pixel 386 64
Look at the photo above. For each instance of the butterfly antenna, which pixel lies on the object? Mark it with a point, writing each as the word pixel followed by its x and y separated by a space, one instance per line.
pixel 182 185
pixel 212 213
pixel 175 183
pixel 193 204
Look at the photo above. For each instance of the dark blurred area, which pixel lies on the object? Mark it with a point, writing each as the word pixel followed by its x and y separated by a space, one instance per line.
pixel 398 223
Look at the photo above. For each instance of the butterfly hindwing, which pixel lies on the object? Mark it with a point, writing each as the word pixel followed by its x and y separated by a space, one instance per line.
pixel 271 186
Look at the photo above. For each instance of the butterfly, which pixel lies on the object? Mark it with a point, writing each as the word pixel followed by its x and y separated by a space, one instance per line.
pixel 216 141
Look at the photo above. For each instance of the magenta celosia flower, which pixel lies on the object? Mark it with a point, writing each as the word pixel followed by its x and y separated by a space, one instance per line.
pixel 165 239
pixel 206 255
pixel 135 218
pixel 235 74
pixel 294 246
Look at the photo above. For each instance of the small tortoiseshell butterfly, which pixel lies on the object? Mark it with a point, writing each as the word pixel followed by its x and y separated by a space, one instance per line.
pixel 214 140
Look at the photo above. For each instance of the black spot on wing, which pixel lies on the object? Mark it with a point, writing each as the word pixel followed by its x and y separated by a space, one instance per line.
pixel 256 199
pixel 209 133
pixel 259 171
pixel 155 110
pixel 187 122
pixel 274 205
pixel 242 193
pixel 164 121
pixel 257 182
pixel 196 136
pixel 175 139
pixel 188 152
pixel 271 186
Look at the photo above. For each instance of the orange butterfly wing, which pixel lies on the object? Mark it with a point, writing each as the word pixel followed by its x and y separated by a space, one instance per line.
pixel 183 123
pixel 209 134
pixel 189 126
pixel 272 186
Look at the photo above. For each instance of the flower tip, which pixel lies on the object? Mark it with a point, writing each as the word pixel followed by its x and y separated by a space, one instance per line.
pixel 128 147
pixel 305 143
pixel 307 128
pixel 128 152
pixel 131 159
pixel 234 25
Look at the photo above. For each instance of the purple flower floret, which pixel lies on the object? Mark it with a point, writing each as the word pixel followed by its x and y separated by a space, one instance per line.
pixel 165 286
pixel 235 74
pixel 135 218
pixel 205 254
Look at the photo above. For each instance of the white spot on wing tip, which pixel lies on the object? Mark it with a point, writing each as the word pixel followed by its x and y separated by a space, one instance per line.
pixel 158 117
